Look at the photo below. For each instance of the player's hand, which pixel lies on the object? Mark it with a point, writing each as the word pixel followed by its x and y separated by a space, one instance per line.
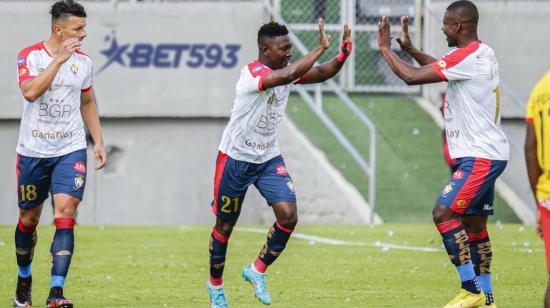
pixel 404 40
pixel 538 225
pixel 324 39
pixel 68 46
pixel 100 156
pixel 384 36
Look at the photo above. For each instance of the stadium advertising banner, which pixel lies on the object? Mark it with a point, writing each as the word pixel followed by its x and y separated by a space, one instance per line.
pixel 164 59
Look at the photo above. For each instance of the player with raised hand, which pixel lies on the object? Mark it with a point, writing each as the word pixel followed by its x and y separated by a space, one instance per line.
pixel 475 139
pixel 249 153
pixel 55 78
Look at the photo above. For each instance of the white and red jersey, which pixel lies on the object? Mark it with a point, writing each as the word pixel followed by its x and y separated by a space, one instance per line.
pixel 472 104
pixel 52 125
pixel 251 134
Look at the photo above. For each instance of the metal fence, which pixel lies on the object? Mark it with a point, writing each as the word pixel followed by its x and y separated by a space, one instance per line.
pixel 367 71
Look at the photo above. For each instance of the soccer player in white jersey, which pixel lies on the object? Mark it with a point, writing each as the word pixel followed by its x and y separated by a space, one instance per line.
pixel 249 153
pixel 55 78
pixel 475 139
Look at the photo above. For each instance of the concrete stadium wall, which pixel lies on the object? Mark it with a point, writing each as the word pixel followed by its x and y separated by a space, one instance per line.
pixel 162 125
pixel 161 171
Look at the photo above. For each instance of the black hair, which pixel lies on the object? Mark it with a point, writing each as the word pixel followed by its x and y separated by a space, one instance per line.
pixel 272 29
pixel 468 7
pixel 66 8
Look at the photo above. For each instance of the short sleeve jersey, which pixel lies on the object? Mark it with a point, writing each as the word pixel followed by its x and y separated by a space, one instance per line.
pixel 472 105
pixel 251 134
pixel 538 113
pixel 52 125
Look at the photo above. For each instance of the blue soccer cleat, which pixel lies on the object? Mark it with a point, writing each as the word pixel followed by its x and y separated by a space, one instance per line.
pixel 257 280
pixel 217 296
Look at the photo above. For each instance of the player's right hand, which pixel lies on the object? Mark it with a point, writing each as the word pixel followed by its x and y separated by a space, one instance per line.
pixel 404 40
pixel 324 39
pixel 67 48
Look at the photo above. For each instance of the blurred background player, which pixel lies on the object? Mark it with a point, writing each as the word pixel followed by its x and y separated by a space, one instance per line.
pixel 536 157
pixel 249 153
pixel 55 78
pixel 475 140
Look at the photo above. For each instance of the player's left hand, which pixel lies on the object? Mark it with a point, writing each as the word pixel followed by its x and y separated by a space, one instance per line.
pixel 384 36
pixel 100 156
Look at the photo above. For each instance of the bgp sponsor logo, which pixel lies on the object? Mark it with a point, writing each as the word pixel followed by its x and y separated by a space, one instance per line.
pixel 170 55
pixel 281 170
pixel 80 167
pixel 458 175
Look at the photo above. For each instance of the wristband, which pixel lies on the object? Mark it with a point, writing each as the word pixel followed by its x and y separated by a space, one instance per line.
pixel 342 56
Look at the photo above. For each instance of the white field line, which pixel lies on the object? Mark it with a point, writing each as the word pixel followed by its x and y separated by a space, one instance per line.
pixel 330 241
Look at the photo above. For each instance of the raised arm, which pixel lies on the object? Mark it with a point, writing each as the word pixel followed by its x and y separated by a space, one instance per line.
pixel 32 89
pixel 327 70
pixel 298 68
pixel 406 44
pixel 409 74
pixel 91 119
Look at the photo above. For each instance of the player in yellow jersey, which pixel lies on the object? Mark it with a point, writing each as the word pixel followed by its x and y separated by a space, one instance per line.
pixel 537 157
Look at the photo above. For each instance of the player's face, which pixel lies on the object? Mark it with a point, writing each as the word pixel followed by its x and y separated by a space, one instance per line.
pixel 72 27
pixel 279 51
pixel 449 28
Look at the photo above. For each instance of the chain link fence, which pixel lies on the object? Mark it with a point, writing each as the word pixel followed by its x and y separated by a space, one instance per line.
pixel 367 70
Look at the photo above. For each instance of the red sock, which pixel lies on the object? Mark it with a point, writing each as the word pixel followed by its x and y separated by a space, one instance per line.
pixel 260 266
pixel 216 282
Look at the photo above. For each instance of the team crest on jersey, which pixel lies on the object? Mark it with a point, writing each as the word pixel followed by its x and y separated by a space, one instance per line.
pixel 448 189
pixel 78 181
pixel 461 203
pixel 20 61
pixel 74 68
pixel 290 185
pixel 442 63
pixel 458 175
pixel 80 167
pixel 281 170
pixel 22 72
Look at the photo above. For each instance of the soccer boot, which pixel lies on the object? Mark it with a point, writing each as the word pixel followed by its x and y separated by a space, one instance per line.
pixel 57 300
pixel 257 281
pixel 217 296
pixel 22 296
pixel 466 299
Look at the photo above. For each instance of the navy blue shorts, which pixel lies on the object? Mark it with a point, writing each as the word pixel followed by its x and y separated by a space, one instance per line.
pixel 233 177
pixel 471 190
pixel 38 176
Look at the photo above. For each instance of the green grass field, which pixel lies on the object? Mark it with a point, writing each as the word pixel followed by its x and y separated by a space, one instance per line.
pixel 168 267
pixel 411 171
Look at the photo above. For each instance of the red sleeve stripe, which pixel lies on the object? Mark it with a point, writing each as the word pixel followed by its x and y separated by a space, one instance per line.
pixel 88 89
pixel 455 57
pixel 529 120
pixel 437 69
